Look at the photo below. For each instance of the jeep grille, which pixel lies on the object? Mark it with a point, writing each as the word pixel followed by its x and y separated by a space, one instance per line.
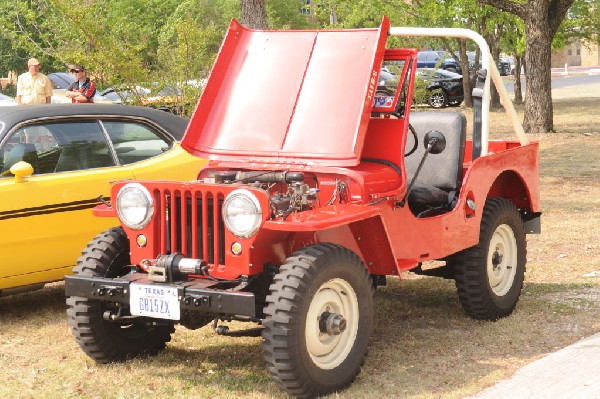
pixel 190 222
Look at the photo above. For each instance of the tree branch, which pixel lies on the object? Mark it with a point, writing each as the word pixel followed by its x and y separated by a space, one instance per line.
pixel 557 9
pixel 510 6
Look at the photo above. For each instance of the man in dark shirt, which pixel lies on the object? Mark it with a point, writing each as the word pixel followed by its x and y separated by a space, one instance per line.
pixel 83 89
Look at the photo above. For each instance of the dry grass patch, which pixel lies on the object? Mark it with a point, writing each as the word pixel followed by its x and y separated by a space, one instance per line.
pixel 424 346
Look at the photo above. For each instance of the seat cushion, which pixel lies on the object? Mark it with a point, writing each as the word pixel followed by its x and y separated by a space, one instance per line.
pixel 423 198
pixel 442 170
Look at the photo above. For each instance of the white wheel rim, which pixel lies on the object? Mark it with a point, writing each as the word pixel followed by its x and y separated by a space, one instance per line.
pixel 437 99
pixel 502 260
pixel 326 350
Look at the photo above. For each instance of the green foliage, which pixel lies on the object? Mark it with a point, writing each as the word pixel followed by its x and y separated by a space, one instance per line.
pixel 187 45
pixel 285 14
pixel 22 35
pixel 159 43
pixel 581 22
pixel 420 93
pixel 114 39
pixel 358 13
pixel 10 90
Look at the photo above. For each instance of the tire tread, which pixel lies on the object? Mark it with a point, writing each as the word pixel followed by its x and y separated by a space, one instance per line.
pixel 282 322
pixel 105 256
pixel 469 265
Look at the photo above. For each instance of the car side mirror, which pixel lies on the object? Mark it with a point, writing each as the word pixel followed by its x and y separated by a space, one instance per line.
pixel 434 141
pixel 22 170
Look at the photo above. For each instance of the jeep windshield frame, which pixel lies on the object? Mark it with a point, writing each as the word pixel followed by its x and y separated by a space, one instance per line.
pixel 487 65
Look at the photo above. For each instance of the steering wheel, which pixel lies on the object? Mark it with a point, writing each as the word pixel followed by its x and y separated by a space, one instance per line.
pixel 416 139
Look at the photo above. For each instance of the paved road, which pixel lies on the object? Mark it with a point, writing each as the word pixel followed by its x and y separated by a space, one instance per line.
pixel 571 372
pixel 559 82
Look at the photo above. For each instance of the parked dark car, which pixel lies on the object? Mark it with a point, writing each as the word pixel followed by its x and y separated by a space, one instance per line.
pixel 444 87
pixel 504 66
pixel 437 59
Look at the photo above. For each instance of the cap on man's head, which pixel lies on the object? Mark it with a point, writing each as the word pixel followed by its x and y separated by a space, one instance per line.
pixel 33 61
pixel 77 68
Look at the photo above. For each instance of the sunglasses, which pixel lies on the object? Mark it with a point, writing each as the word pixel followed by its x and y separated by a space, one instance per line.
pixel 76 70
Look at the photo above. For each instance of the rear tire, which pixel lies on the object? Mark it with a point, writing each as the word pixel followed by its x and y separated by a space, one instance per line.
pixel 316 287
pixel 489 276
pixel 107 255
pixel 437 99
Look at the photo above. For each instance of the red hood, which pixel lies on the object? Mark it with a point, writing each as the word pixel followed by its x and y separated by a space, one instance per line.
pixel 289 97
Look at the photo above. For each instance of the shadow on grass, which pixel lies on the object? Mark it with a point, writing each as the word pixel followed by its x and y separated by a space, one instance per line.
pixel 47 303
pixel 423 344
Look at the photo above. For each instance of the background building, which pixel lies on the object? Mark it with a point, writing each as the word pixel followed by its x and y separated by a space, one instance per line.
pixel 577 53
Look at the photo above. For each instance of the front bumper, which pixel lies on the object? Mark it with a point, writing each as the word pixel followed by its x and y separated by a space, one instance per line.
pixel 196 295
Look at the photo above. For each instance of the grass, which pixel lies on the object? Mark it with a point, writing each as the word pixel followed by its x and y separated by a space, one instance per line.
pixel 423 347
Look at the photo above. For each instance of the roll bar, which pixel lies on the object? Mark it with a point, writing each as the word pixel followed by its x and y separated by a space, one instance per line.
pixel 487 64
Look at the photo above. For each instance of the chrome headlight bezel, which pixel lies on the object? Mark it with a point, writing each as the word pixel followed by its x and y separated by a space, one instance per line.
pixel 146 206
pixel 242 198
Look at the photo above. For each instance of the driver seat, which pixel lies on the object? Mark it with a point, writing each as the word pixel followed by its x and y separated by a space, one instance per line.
pixel 440 178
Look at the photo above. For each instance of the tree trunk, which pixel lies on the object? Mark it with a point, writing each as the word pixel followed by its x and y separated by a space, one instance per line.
pixel 542 19
pixel 538 96
pixel 493 40
pixel 517 75
pixel 254 14
pixel 464 64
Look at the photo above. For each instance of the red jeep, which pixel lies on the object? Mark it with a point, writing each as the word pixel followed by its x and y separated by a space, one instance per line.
pixel 321 183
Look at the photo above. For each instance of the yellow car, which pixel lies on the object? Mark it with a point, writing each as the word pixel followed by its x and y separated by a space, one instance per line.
pixel 57 162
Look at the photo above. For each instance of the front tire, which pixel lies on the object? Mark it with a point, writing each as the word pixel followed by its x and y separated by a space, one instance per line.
pixel 489 276
pixel 107 255
pixel 319 319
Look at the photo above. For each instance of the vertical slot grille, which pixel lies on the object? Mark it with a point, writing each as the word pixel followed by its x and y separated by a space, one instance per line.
pixel 190 222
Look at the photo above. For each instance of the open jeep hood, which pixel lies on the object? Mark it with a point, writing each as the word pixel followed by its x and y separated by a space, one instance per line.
pixel 289 97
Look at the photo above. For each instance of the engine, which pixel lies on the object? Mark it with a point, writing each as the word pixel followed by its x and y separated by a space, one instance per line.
pixel 288 191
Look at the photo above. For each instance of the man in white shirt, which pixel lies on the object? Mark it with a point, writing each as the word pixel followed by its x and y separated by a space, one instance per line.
pixel 33 87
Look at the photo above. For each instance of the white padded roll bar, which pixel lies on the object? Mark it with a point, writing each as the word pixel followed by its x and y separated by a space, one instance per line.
pixel 487 64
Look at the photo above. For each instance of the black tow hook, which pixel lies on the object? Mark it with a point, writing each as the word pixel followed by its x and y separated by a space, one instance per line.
pixel 250 332
pixel 110 315
pixel 224 330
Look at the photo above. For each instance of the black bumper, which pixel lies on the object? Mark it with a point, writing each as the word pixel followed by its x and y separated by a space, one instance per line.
pixel 195 295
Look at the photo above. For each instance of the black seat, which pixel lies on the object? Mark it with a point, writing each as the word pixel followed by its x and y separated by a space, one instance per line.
pixel 441 175
pixel 21 152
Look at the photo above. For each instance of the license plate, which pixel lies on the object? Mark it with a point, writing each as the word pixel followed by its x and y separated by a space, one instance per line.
pixel 154 301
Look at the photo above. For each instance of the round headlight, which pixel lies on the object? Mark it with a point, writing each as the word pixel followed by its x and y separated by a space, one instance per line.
pixel 242 213
pixel 135 206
